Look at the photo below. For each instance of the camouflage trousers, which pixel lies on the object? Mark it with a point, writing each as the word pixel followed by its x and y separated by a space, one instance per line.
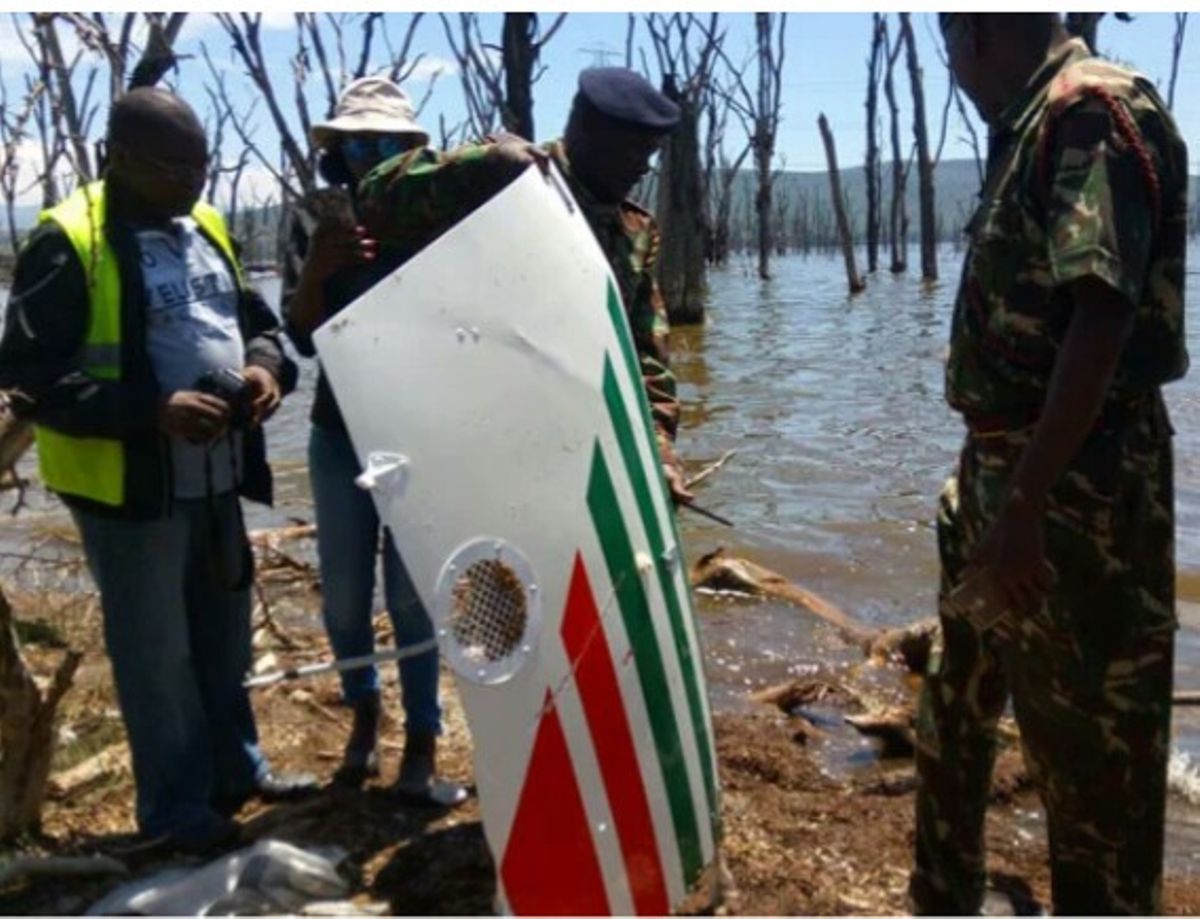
pixel 1089 672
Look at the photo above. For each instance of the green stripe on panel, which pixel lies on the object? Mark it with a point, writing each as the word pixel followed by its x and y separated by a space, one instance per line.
pixel 635 613
pixel 651 520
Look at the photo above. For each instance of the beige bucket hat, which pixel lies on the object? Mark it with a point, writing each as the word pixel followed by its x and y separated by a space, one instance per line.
pixel 370 104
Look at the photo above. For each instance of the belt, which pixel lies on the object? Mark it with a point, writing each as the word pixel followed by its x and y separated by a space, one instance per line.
pixel 1112 415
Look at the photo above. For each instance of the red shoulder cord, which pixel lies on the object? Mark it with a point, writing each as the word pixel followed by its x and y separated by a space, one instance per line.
pixel 1129 133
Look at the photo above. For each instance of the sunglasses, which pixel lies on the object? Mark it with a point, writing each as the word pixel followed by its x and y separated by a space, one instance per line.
pixel 363 148
pixel 172 170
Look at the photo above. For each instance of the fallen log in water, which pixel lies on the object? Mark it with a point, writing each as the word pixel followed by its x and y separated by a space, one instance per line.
pixel 910 646
pixel 720 571
pixel 723 572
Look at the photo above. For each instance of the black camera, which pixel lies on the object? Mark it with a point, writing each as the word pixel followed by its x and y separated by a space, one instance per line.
pixel 232 388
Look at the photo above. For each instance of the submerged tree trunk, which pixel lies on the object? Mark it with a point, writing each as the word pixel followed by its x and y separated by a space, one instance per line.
pixel 770 69
pixel 872 165
pixel 897 221
pixel 929 270
pixel 835 189
pixel 1176 50
pixel 681 215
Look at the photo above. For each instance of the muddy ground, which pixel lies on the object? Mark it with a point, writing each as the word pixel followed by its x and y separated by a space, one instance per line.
pixel 797 838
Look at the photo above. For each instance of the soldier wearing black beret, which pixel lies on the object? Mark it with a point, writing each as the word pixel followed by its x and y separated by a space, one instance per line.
pixel 617 123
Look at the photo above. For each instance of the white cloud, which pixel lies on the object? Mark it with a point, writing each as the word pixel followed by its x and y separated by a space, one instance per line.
pixel 430 66
pixel 278 19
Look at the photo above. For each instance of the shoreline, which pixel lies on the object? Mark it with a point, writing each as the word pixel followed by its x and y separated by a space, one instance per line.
pixel 798 836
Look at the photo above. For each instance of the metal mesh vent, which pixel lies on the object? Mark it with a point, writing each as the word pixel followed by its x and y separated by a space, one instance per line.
pixel 488 611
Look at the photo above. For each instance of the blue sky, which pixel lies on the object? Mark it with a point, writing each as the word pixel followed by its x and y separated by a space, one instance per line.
pixel 824 70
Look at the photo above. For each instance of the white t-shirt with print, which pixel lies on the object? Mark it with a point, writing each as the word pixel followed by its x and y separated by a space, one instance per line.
pixel 192 328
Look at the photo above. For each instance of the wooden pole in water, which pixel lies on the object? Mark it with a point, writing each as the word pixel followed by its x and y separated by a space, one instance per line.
pixel 839 207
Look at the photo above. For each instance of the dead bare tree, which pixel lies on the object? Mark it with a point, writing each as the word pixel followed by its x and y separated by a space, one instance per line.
pixel 1176 51
pixel 898 218
pixel 45 115
pixel 497 82
pixel 955 95
pixel 929 270
pixel 157 55
pixel 71 113
pixel 245 34
pixel 760 110
pixel 853 279
pixel 479 72
pixel 872 168
pixel 220 169
pixel 720 172
pixel 685 48
pixel 521 49
pixel 14 127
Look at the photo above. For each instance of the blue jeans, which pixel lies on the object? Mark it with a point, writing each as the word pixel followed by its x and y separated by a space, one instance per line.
pixel 179 641
pixel 348 531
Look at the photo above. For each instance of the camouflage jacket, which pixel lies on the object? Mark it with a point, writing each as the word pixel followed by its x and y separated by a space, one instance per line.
pixel 412 199
pixel 1087 177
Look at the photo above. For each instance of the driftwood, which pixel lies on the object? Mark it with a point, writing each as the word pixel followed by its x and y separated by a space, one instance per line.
pixel 711 469
pixel 719 571
pixel 112 760
pixel 273 537
pixel 909 645
pixel 26 730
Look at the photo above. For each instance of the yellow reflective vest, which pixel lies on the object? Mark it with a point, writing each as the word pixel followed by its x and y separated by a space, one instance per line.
pixel 94 467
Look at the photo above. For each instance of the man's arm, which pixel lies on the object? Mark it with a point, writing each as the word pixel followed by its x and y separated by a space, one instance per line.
pixel 1100 228
pixel 651 337
pixel 411 200
pixel 296 302
pixel 264 341
pixel 42 349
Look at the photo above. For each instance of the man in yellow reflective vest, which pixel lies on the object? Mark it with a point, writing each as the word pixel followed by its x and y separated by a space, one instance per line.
pixel 147 368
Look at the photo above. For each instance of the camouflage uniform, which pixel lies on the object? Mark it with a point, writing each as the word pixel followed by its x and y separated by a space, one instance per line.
pixel 411 200
pixel 1086 178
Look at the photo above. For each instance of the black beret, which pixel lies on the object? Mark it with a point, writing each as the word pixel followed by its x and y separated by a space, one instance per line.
pixel 627 96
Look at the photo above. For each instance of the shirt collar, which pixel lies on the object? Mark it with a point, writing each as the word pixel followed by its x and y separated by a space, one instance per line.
pixel 558 152
pixel 1024 105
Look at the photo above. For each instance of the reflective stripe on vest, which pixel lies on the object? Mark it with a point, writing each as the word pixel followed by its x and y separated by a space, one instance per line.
pixel 94 467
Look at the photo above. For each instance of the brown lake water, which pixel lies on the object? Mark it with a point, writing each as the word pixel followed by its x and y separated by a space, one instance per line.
pixel 834 406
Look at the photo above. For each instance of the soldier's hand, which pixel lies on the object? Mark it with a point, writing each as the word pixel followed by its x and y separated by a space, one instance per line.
pixel 1013 555
pixel 334 246
pixel 677 485
pixel 194 416
pixel 516 151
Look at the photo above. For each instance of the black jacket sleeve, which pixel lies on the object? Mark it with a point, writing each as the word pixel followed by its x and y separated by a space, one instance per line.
pixel 299 232
pixel 42 349
pixel 264 340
